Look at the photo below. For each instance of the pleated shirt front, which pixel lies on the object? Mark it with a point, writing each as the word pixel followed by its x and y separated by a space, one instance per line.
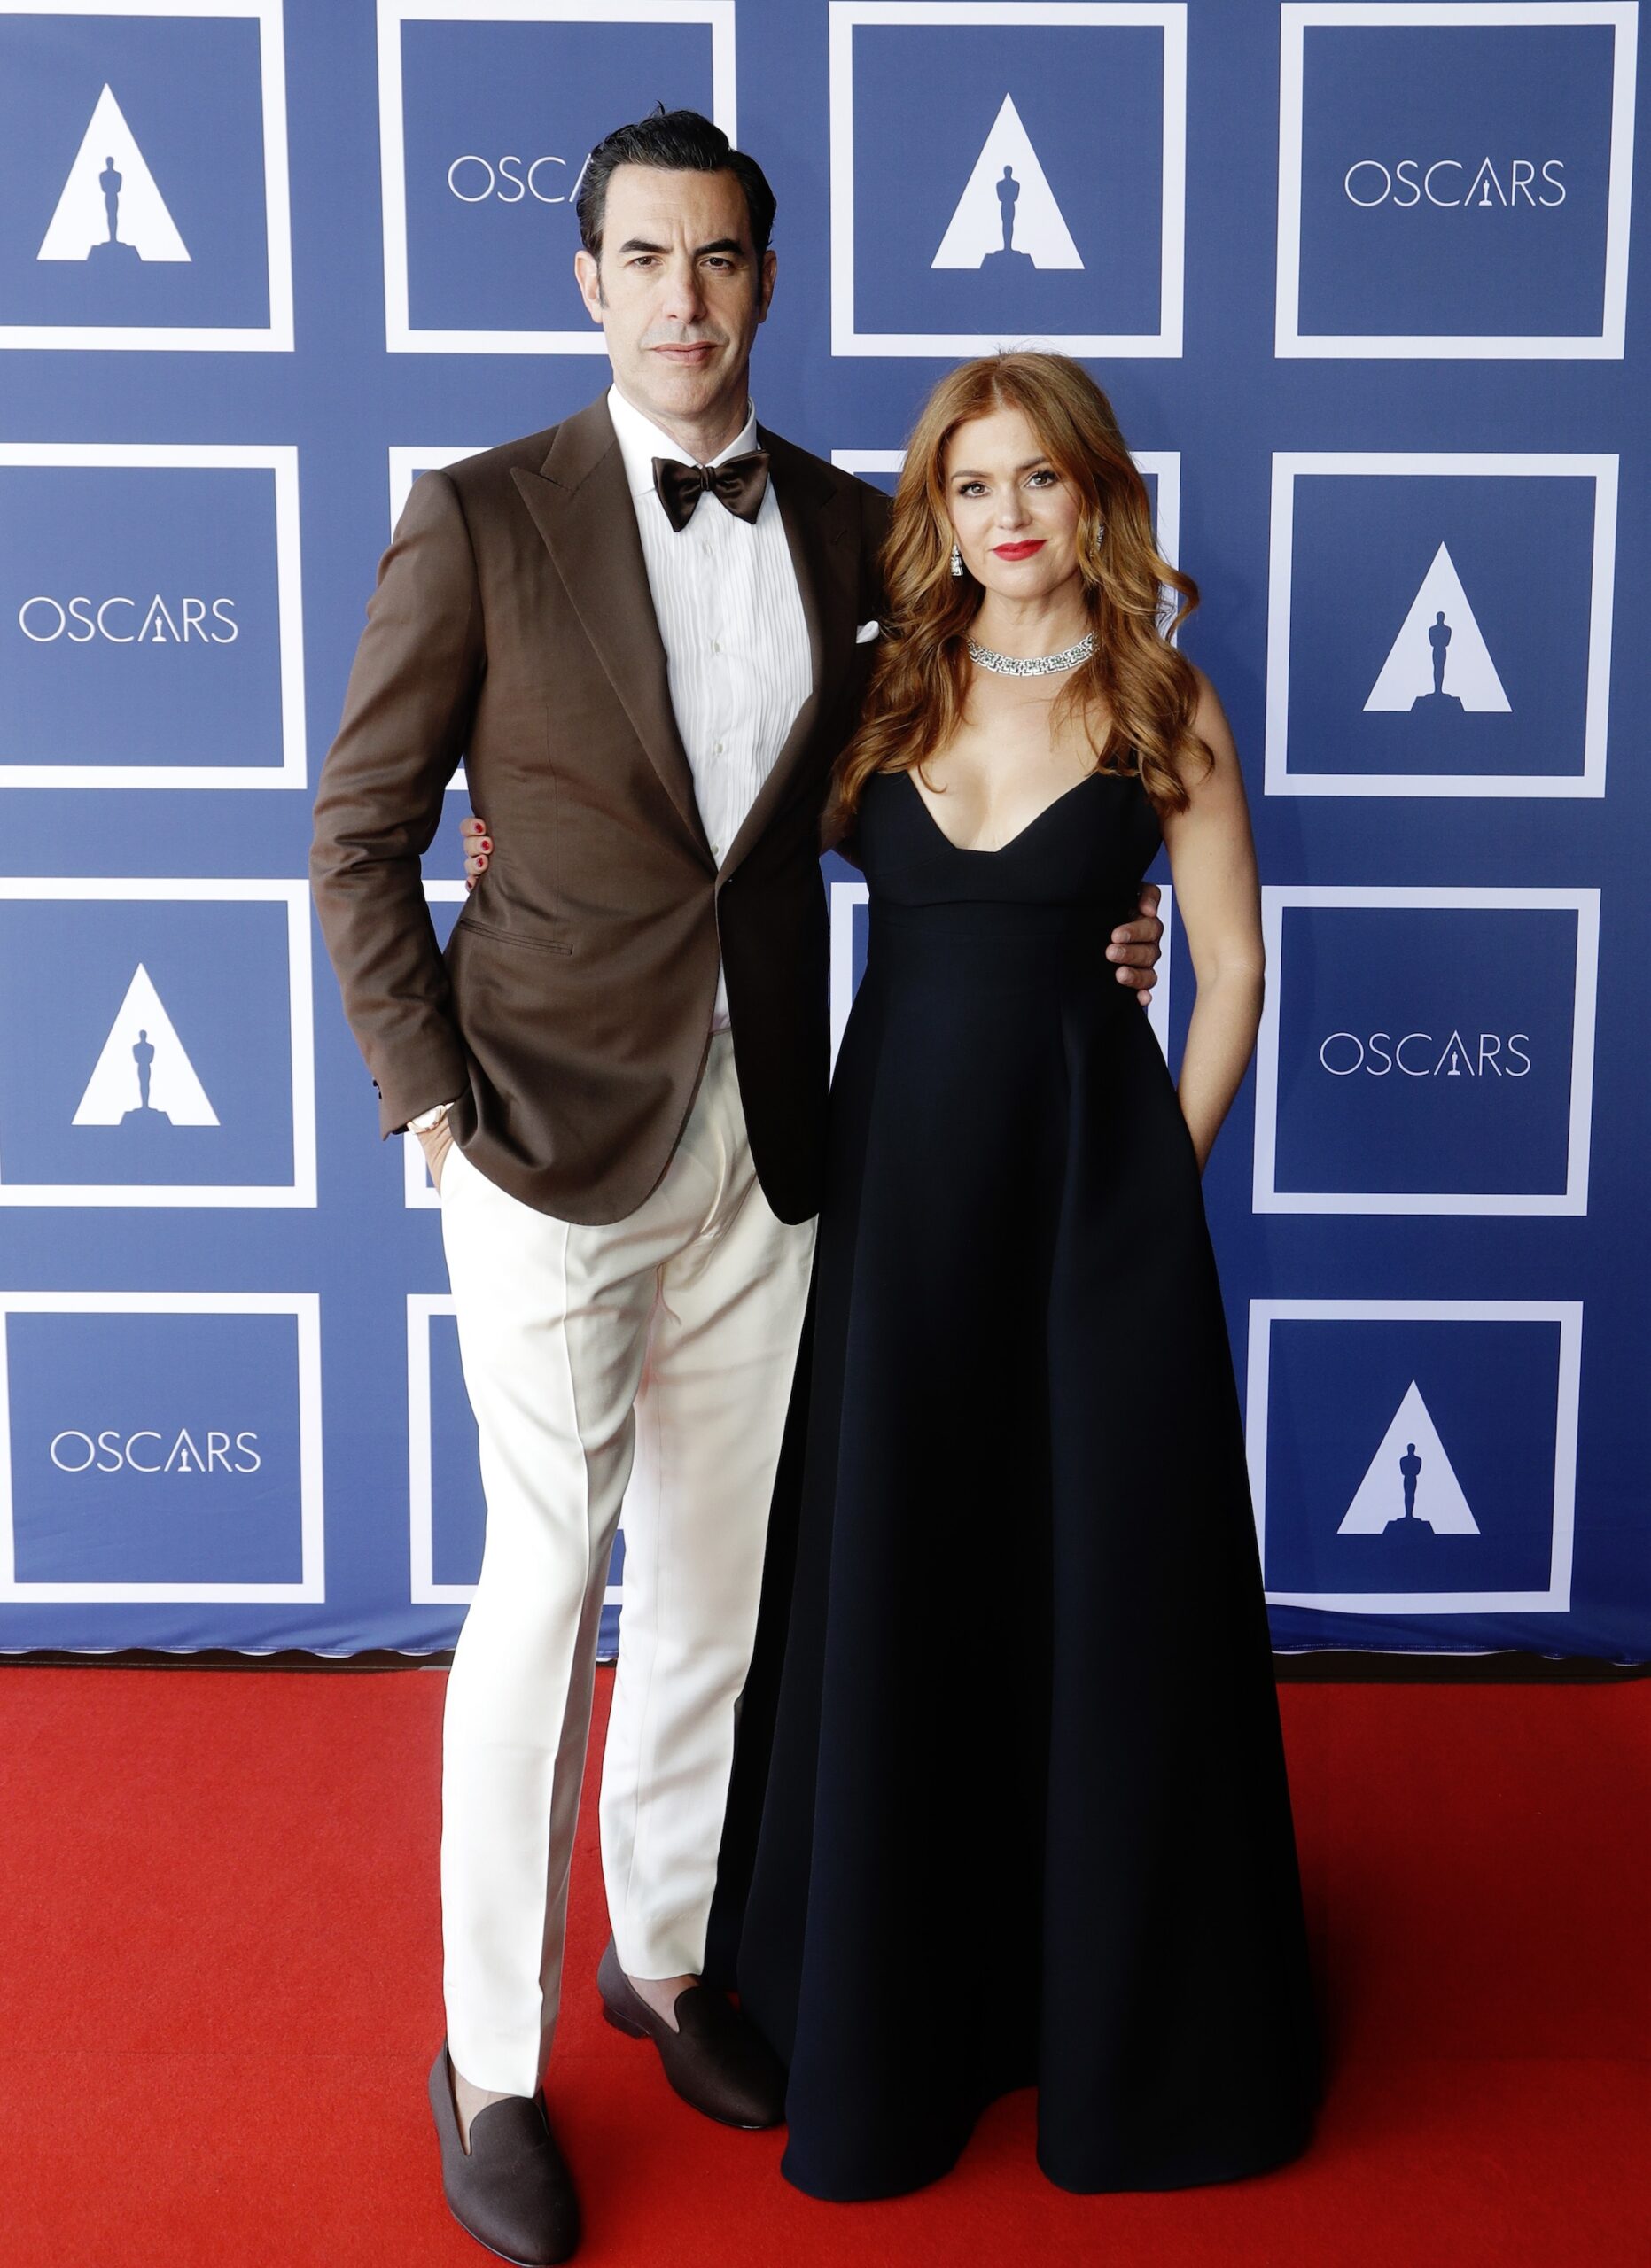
pixel 731 619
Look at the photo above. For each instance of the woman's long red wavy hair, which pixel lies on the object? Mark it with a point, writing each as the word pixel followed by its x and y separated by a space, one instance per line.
pixel 1135 681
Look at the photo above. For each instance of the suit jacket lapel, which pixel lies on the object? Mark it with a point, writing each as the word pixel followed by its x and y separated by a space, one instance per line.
pixel 820 521
pixel 581 506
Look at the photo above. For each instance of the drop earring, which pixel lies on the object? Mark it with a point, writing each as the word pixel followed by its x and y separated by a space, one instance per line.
pixel 957 558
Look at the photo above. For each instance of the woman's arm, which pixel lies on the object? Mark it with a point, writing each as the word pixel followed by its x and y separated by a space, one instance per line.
pixel 1212 866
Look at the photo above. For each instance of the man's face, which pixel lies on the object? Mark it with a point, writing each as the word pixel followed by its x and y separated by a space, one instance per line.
pixel 678 290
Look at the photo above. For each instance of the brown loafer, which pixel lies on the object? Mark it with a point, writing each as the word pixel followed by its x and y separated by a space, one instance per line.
pixel 713 2059
pixel 511 2190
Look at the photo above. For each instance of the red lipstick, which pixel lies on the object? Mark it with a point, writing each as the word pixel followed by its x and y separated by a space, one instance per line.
pixel 1017 550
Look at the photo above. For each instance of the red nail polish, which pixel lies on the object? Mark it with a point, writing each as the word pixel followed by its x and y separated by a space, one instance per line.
pixel 485 844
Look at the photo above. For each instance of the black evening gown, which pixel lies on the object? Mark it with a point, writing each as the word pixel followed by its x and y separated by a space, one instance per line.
pixel 1010 1805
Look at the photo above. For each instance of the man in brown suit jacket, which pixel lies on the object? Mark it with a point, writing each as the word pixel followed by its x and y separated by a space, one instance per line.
pixel 646 632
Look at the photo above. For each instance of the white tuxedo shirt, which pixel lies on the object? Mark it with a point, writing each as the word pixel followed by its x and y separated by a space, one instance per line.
pixel 736 638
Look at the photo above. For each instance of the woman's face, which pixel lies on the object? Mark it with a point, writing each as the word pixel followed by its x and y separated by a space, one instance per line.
pixel 1014 514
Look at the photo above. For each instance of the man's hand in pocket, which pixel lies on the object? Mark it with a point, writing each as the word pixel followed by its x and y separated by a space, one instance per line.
pixel 435 1146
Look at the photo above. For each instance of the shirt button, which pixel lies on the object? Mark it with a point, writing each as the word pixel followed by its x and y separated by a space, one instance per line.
pixel 716 850
pixel 717 749
pixel 716 645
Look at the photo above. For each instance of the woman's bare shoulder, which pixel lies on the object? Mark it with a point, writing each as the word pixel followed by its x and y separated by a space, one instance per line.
pixel 1210 722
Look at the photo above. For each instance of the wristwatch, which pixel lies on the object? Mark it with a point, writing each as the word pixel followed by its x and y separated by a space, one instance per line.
pixel 428 1120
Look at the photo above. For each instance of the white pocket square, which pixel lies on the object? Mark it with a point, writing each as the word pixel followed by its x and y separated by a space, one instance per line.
pixel 865 632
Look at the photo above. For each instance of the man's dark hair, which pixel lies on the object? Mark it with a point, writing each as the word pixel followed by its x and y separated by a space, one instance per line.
pixel 677 141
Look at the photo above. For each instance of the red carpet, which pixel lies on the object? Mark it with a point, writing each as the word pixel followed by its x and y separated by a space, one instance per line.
pixel 219 1997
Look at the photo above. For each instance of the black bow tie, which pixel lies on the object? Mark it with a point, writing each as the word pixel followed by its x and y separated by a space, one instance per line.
pixel 737 482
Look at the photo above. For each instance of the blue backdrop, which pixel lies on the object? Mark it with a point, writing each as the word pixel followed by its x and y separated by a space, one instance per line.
pixel 1356 278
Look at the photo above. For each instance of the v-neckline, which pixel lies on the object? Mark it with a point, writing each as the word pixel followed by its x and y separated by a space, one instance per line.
pixel 996 850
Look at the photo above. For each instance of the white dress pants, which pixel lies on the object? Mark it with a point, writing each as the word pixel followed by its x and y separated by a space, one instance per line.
pixel 648 1362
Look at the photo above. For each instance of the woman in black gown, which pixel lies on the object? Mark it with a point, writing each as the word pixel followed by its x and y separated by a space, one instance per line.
pixel 1010 1803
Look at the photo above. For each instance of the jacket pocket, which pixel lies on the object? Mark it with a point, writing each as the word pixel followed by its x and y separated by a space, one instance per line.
pixel 465 923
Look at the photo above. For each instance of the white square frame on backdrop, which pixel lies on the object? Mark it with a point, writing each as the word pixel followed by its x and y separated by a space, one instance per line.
pixel 424 1590
pixel 305 1310
pixel 400 337
pixel 848 16
pixel 1573 1200
pixel 301 1192
pixel 275 336
pixel 1295 17
pixel 422 1309
pixel 1291 465
pixel 280 461
pixel 1555 1599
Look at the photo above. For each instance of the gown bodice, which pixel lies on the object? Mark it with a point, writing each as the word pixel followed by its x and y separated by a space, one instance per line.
pixel 1089 847
pixel 1048 898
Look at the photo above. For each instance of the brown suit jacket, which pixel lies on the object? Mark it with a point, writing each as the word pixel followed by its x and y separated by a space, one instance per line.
pixel 570 1014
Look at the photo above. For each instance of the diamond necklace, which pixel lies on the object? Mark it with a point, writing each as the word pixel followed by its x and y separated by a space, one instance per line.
pixel 1031 664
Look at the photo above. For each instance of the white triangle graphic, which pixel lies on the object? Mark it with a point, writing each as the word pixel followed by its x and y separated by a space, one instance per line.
pixel 116 1086
pixel 1469 672
pixel 1381 1497
pixel 976 228
pixel 81 219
